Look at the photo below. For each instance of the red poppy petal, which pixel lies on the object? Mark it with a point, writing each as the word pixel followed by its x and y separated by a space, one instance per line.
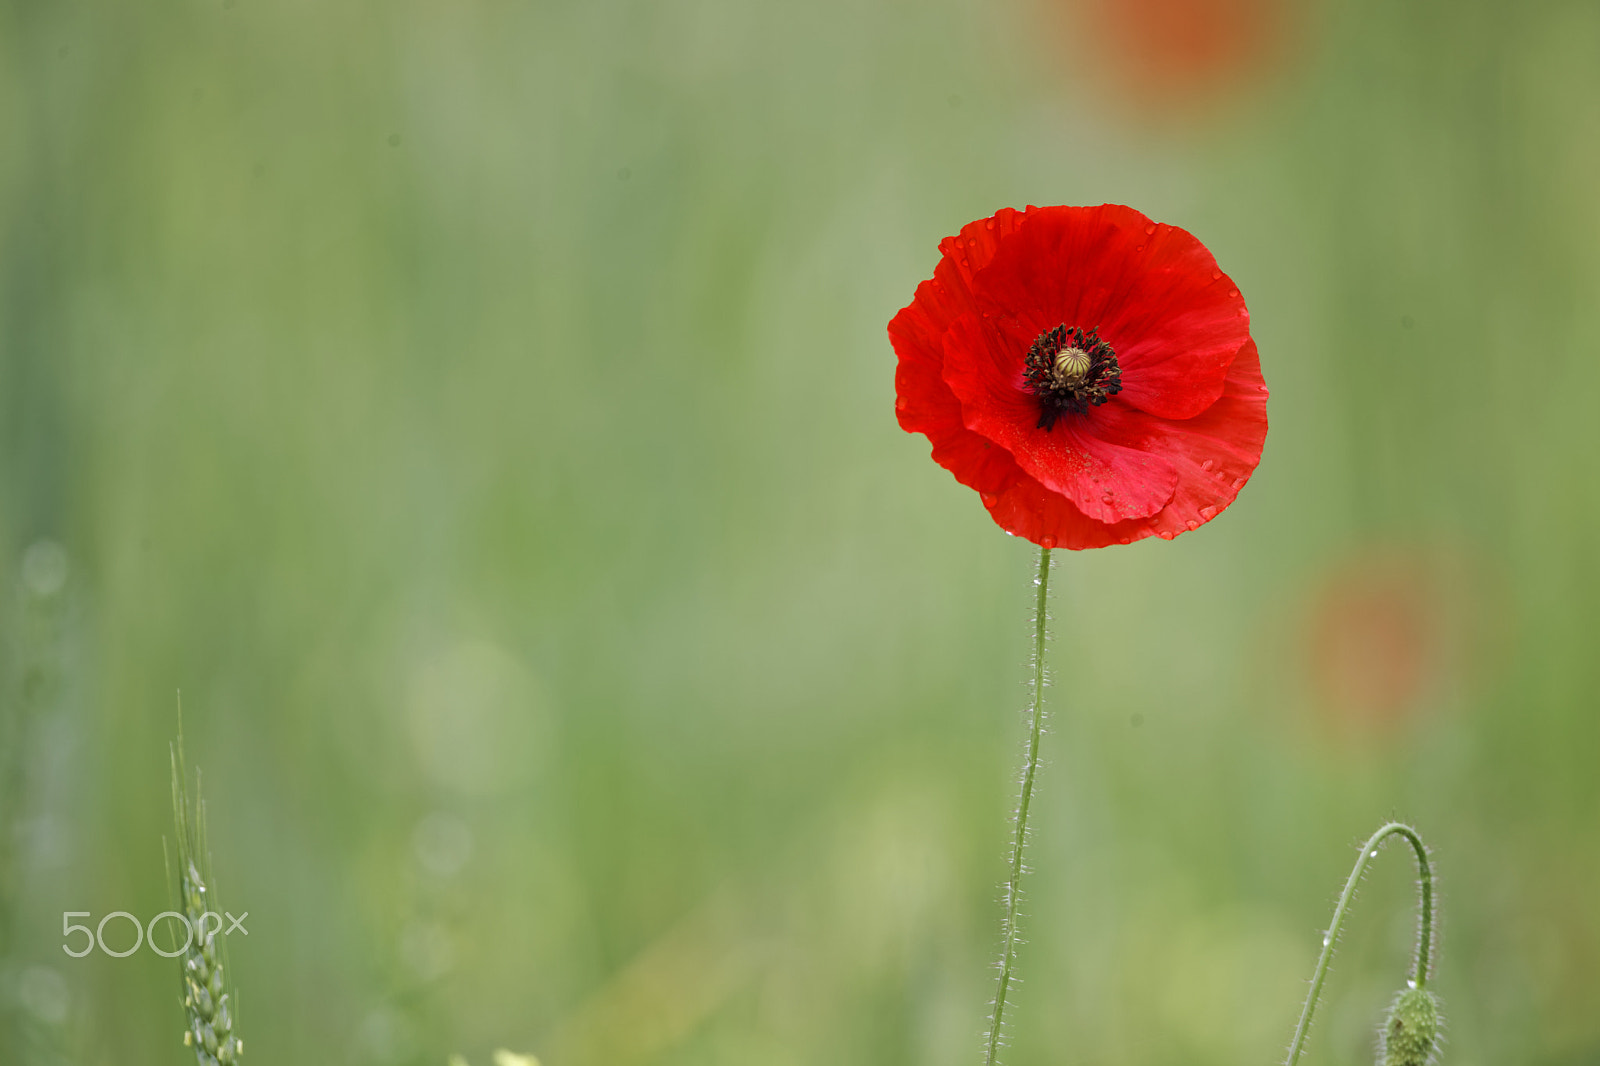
pixel 1153 291
pixel 1214 454
pixel 924 403
pixel 1105 480
pixel 1028 509
pixel 987 377
pixel 975 246
pixel 917 331
pixel 948 295
pixel 1111 483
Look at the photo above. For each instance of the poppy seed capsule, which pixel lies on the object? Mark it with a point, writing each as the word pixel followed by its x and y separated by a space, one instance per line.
pixel 1071 365
pixel 1412 1029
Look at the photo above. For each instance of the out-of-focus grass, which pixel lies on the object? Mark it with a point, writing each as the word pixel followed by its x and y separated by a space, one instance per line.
pixel 482 412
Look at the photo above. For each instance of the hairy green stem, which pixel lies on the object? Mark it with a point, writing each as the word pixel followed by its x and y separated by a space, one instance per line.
pixel 1424 959
pixel 1008 949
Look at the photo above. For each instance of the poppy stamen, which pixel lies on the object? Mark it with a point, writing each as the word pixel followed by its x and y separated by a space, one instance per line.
pixel 1071 369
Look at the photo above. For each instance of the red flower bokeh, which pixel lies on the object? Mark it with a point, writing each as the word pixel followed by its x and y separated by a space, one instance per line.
pixel 1089 372
pixel 1172 56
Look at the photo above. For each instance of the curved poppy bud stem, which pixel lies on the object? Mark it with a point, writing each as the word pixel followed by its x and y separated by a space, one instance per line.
pixel 1417 985
pixel 1008 932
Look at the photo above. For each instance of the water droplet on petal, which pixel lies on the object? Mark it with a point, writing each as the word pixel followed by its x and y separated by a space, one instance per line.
pixel 1047 543
pixel 1244 312
pixel 900 404
pixel 988 500
pixel 1208 464
pixel 1149 230
pixel 1125 540
pixel 1215 274
pixel 1166 534
pixel 1192 524
pixel 1208 513
pixel 1233 292
pixel 988 223
pixel 1238 483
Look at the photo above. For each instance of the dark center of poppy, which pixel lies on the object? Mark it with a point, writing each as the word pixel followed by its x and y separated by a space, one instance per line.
pixel 1071 370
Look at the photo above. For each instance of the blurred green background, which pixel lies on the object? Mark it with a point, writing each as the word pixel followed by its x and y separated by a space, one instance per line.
pixel 482 412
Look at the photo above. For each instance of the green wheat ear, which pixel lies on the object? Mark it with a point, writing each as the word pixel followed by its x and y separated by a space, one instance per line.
pixel 206 994
pixel 502 1057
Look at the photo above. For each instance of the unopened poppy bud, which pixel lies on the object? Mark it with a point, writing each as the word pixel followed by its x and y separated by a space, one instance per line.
pixel 1412 1030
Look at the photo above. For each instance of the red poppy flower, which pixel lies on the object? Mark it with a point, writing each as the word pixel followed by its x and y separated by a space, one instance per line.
pixel 1088 371
pixel 1171 55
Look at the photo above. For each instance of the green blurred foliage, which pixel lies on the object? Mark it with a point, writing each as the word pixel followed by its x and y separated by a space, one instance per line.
pixel 481 411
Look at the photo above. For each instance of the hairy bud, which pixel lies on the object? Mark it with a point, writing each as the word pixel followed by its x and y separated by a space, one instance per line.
pixel 1412 1030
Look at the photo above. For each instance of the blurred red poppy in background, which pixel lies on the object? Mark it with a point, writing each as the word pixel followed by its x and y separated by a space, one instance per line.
pixel 1374 643
pixel 1183 52
pixel 1089 372
pixel 1393 630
